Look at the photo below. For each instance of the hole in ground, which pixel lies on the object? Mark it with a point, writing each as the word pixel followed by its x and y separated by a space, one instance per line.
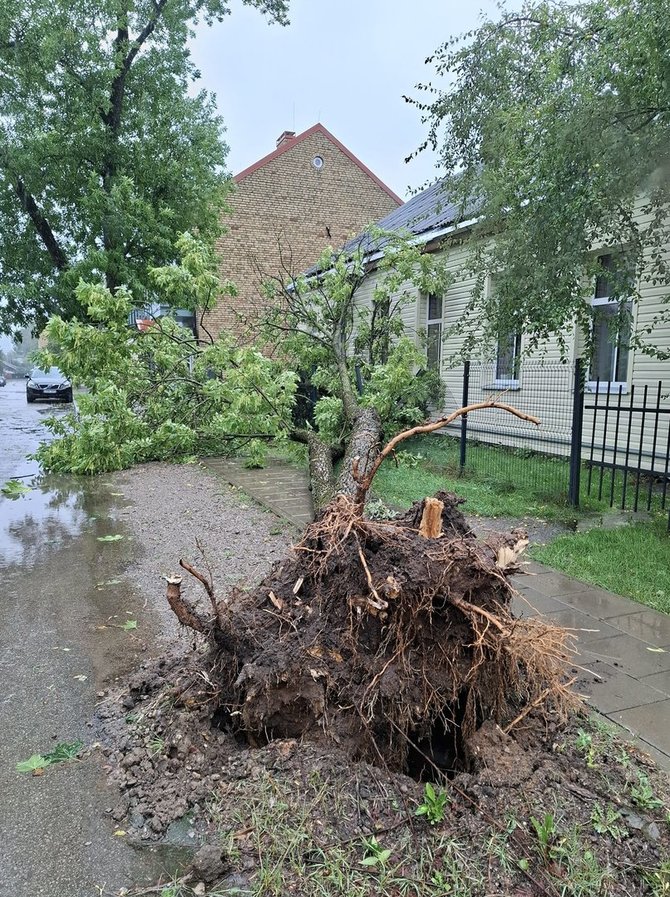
pixel 442 752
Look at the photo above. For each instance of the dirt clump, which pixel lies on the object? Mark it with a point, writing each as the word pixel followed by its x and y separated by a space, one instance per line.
pixel 390 645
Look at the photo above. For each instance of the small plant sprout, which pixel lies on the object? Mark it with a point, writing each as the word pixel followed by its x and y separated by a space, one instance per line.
pixel 157 746
pixel 583 741
pixel 604 821
pixel 584 744
pixel 643 796
pixel 545 830
pixel 434 804
pixel 375 854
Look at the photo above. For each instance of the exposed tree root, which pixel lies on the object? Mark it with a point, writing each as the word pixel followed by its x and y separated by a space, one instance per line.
pixel 393 645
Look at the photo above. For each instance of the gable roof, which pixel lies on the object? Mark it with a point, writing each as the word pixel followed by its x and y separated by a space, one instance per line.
pixel 427 215
pixel 318 128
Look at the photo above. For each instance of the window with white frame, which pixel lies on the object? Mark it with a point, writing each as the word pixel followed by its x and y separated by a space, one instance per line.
pixel 508 349
pixel 508 359
pixel 434 332
pixel 611 327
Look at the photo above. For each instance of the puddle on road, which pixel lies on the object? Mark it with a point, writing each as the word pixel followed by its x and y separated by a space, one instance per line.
pixel 61 641
pixel 39 521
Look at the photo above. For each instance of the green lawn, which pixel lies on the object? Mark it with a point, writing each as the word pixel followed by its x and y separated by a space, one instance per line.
pixel 496 482
pixel 631 560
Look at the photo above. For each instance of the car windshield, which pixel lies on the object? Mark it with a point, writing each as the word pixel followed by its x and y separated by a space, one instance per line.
pixel 52 372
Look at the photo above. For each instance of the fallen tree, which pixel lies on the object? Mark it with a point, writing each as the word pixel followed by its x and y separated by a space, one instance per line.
pixel 394 639
pixel 158 391
pixel 349 345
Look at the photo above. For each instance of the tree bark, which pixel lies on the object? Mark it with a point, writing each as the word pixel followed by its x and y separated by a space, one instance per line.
pixel 320 459
pixel 362 444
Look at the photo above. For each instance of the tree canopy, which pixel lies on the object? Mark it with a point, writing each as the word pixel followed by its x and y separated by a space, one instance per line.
pixel 554 131
pixel 158 392
pixel 105 156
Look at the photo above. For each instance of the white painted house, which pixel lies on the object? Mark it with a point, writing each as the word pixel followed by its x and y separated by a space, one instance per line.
pixel 542 383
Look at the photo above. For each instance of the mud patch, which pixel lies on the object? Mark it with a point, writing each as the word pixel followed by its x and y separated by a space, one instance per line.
pixel 298 817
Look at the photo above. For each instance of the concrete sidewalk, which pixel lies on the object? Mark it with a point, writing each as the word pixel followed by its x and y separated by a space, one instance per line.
pixel 281 487
pixel 623 647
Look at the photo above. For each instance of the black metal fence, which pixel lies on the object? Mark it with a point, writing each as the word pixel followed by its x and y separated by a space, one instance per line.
pixel 610 444
pixel 507 451
pixel 626 444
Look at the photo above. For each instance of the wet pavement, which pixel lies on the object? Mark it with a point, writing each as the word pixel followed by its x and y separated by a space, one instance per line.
pixel 62 606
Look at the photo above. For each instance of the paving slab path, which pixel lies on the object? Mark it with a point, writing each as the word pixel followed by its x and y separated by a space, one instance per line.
pixel 623 652
pixel 623 647
pixel 282 487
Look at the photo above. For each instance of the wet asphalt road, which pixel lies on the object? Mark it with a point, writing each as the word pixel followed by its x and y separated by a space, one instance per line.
pixel 56 839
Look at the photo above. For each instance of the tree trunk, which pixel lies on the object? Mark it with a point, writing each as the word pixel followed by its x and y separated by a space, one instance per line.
pixel 321 476
pixel 363 443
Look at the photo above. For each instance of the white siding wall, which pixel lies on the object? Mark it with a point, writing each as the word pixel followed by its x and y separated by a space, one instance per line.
pixel 546 382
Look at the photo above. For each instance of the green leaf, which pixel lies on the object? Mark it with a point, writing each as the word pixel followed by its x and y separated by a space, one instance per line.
pixel 13 489
pixel 130 624
pixel 36 761
pixel 115 538
pixel 370 861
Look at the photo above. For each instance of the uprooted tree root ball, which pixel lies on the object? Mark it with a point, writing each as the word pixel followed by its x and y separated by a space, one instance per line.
pixel 394 640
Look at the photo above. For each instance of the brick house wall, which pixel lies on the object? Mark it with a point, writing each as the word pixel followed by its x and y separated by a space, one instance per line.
pixel 285 207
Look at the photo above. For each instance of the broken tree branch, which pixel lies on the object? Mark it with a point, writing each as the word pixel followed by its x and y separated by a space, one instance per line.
pixel 207 585
pixel 431 520
pixel 364 480
pixel 185 615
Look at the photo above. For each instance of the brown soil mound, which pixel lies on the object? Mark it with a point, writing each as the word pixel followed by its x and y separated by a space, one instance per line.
pixel 391 645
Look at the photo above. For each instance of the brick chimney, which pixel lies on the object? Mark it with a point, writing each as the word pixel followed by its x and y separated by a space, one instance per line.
pixel 284 137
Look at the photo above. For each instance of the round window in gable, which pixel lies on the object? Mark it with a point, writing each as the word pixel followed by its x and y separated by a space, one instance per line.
pixel 317 162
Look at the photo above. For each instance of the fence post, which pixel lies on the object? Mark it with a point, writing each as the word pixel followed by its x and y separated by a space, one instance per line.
pixel 464 418
pixel 576 435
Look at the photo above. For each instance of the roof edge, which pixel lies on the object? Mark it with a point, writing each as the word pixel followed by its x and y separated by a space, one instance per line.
pixel 320 129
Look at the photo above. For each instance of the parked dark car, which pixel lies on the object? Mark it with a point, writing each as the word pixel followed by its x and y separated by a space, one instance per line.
pixel 51 384
pixel 3 382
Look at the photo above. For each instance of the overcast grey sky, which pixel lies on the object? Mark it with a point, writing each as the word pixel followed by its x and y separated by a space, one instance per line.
pixel 345 63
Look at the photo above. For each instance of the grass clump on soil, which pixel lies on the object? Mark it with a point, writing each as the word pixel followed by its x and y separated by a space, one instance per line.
pixel 631 560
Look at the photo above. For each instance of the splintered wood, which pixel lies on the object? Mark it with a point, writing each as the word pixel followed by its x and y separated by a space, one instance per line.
pixel 431 520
